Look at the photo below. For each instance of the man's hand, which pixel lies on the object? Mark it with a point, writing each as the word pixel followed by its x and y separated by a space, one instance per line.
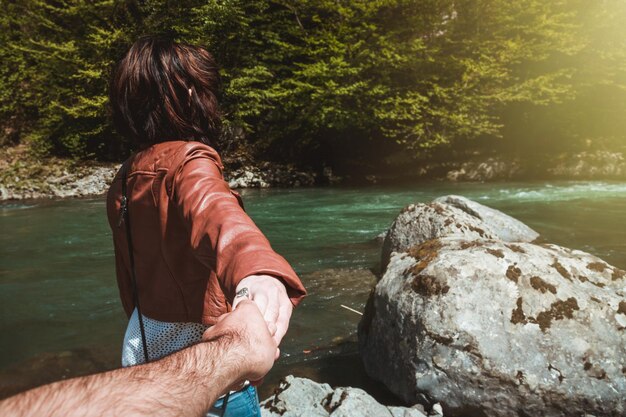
pixel 270 296
pixel 253 340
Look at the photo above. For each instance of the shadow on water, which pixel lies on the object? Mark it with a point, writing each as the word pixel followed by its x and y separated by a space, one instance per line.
pixel 49 367
pixel 340 366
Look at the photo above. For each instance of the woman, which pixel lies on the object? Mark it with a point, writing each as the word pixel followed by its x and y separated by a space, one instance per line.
pixel 181 235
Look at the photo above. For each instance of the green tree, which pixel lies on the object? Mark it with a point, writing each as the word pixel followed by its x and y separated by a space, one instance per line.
pixel 300 76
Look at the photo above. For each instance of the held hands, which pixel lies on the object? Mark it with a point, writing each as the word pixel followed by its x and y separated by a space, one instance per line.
pixel 253 342
pixel 270 296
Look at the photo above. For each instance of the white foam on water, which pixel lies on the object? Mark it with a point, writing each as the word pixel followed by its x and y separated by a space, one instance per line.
pixel 560 192
pixel 15 206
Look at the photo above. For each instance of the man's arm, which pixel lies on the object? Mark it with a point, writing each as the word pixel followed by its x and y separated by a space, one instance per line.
pixel 186 383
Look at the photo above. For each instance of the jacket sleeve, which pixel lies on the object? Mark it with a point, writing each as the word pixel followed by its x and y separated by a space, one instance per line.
pixel 223 236
pixel 120 246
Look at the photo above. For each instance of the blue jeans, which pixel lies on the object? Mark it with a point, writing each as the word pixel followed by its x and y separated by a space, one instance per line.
pixel 244 403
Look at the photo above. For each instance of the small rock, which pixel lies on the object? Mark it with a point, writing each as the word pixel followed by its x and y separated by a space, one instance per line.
pixel 487 170
pixel 297 397
pixel 590 165
pixel 264 174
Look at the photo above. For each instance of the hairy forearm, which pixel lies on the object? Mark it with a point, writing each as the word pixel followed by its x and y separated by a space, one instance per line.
pixel 183 384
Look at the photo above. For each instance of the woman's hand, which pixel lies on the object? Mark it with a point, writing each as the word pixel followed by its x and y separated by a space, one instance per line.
pixel 270 296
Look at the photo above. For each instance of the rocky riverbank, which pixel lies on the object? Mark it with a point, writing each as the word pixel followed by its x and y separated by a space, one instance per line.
pixel 598 165
pixel 581 166
pixel 24 175
pixel 265 174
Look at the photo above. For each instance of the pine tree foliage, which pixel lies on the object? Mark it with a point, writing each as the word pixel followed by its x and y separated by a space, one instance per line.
pixel 424 74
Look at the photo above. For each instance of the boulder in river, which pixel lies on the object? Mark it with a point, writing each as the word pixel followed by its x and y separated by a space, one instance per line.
pixel 301 397
pixel 451 216
pixel 491 327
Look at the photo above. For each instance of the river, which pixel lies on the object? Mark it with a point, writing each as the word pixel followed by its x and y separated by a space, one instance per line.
pixel 59 309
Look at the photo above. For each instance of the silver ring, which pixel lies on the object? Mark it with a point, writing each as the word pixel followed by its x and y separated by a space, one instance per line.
pixel 242 293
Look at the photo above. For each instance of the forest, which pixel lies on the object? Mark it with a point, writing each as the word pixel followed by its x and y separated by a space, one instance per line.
pixel 318 82
pixel 446 179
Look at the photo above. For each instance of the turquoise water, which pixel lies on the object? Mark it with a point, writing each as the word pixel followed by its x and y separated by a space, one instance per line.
pixel 59 309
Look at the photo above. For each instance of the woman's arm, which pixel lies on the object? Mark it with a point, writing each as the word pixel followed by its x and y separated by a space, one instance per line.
pixel 224 237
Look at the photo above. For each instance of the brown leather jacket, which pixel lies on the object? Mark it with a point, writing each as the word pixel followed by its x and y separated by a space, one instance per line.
pixel 193 242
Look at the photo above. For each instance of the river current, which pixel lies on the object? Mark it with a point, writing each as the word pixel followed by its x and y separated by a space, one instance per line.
pixel 60 315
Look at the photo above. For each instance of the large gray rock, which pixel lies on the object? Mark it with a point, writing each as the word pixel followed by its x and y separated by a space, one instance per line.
pixel 95 181
pixel 451 216
pixel 492 328
pixel 301 397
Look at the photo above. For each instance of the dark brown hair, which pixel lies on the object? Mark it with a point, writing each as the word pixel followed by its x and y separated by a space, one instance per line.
pixel 162 90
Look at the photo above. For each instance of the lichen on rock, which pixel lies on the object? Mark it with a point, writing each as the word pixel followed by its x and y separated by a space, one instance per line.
pixel 451 216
